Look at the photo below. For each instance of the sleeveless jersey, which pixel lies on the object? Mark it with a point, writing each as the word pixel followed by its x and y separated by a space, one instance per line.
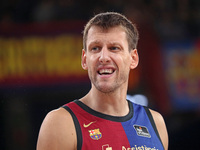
pixel 98 131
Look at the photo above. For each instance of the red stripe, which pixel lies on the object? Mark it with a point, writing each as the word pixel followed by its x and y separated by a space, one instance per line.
pixel 113 134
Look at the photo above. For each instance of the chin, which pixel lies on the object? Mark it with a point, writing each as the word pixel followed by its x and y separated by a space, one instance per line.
pixel 105 89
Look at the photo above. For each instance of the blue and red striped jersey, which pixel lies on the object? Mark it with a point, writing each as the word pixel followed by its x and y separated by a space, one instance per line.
pixel 98 131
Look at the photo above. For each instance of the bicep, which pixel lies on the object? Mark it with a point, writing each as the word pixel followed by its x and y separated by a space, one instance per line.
pixel 57 132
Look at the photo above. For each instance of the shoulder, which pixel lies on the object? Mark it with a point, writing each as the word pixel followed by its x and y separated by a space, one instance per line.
pixel 57 131
pixel 161 127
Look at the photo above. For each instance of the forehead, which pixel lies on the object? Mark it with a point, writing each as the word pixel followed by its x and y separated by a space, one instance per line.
pixel 114 34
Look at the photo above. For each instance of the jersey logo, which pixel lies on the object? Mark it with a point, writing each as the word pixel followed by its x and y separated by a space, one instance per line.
pixel 142 131
pixel 95 134
pixel 106 147
pixel 87 125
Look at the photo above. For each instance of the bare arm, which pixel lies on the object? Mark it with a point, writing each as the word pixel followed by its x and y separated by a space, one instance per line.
pixel 57 132
pixel 162 130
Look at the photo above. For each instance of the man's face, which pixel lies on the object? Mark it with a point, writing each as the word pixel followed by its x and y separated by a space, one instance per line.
pixel 108 59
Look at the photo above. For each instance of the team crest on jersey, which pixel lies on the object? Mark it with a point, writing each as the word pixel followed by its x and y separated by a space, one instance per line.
pixel 95 134
pixel 142 131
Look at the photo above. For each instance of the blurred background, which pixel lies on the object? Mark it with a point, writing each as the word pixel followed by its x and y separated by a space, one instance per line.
pixel 40 53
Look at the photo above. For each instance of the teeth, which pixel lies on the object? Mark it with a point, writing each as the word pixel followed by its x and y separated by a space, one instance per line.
pixel 105 71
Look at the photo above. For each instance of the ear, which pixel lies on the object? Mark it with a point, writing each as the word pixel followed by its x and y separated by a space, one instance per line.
pixel 134 59
pixel 83 60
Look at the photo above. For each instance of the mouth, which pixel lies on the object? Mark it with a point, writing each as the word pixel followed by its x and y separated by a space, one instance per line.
pixel 106 71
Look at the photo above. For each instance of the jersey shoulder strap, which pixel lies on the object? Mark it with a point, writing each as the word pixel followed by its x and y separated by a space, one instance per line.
pixel 152 122
pixel 76 124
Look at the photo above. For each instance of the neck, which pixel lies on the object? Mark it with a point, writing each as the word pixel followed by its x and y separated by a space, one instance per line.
pixel 113 103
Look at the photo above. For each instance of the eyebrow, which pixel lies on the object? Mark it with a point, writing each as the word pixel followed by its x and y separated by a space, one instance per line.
pixel 98 42
pixel 95 42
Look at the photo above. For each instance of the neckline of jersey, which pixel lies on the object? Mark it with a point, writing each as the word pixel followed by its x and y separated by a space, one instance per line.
pixel 105 116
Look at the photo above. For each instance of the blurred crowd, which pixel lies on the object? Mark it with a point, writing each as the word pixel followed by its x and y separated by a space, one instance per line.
pixel 172 19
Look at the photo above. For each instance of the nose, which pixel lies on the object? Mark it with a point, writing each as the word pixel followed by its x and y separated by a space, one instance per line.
pixel 104 55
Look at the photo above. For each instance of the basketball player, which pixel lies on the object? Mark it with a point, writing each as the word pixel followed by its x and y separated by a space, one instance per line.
pixel 103 119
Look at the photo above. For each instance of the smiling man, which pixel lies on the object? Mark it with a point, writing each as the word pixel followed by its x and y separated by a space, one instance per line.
pixel 103 119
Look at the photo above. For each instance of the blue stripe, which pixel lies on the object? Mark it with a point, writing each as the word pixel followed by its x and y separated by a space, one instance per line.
pixel 140 118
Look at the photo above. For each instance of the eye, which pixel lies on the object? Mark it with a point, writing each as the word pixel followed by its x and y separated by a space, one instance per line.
pixel 96 48
pixel 114 48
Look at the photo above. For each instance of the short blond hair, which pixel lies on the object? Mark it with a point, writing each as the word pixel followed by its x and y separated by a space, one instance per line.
pixel 112 19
